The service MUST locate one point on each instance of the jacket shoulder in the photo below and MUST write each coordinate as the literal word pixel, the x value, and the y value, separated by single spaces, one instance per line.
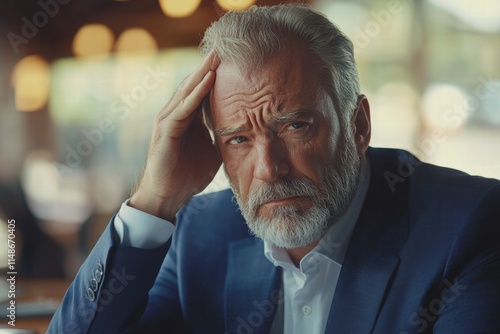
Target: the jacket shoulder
pixel 213 215
pixel 402 170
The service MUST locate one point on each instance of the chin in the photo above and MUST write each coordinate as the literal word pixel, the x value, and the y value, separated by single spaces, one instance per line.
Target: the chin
pixel 290 229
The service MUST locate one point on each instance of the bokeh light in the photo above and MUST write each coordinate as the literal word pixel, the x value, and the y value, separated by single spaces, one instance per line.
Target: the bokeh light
pixel 235 4
pixel 93 40
pixel 31 80
pixel 176 8
pixel 136 40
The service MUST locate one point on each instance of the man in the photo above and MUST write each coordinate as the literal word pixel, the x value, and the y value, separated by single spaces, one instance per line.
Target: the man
pixel 344 238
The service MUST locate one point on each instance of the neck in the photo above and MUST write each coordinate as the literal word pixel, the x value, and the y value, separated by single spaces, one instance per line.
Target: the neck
pixel 296 254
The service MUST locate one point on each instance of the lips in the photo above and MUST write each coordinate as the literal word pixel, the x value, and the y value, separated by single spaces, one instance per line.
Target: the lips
pixel 285 201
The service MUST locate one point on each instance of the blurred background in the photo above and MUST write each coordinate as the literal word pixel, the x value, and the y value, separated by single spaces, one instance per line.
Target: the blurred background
pixel 81 81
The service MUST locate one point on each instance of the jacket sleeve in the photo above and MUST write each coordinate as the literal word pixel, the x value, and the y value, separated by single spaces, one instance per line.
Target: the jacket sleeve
pixel 470 300
pixel 110 291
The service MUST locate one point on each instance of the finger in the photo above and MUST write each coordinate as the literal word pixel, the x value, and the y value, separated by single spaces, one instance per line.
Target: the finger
pixel 192 102
pixel 182 116
pixel 210 63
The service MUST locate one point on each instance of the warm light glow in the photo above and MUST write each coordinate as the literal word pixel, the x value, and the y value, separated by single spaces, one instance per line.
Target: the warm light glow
pixel 134 40
pixel 176 8
pixel 58 199
pixel 93 39
pixel 446 106
pixel 484 15
pixel 235 4
pixel 30 79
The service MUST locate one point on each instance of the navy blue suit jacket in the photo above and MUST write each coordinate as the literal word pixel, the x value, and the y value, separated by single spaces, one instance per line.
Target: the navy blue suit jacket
pixel 424 258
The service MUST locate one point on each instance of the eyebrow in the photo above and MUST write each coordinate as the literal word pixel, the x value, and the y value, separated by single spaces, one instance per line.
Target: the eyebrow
pixel 223 132
pixel 291 116
pixel 229 131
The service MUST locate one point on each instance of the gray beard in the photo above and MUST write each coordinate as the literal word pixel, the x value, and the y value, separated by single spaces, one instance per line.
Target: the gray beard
pixel 292 227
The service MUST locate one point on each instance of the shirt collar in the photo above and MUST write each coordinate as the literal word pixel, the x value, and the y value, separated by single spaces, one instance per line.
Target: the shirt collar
pixel 334 243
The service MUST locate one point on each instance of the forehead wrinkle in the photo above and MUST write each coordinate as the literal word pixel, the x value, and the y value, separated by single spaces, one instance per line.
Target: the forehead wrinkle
pixel 275 116
pixel 251 93
pixel 236 108
pixel 280 118
pixel 253 97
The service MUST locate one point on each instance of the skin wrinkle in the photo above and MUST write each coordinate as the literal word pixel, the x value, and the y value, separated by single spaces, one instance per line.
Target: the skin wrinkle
pixel 285 61
pixel 265 99
pixel 274 120
pixel 274 96
pixel 231 117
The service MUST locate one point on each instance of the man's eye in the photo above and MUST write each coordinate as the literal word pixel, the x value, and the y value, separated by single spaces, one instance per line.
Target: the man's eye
pixel 296 125
pixel 237 140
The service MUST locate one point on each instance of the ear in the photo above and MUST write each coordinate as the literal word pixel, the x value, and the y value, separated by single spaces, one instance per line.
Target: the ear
pixel 361 125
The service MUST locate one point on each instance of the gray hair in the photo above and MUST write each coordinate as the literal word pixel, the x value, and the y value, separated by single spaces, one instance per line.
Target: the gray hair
pixel 248 38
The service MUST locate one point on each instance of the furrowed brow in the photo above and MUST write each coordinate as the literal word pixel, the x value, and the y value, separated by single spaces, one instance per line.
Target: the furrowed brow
pixel 224 132
pixel 229 131
pixel 291 116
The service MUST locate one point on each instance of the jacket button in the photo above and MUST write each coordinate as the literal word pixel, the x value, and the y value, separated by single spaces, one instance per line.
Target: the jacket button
pixel 99 266
pixel 98 275
pixel 93 284
pixel 90 294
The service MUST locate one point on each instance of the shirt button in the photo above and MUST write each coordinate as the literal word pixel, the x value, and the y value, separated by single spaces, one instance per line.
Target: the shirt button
pixel 306 309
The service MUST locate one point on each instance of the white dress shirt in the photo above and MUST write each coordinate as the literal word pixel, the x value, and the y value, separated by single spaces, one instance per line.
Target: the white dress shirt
pixel 308 290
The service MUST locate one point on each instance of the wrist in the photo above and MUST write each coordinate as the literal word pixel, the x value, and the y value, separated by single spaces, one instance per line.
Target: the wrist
pixel 161 207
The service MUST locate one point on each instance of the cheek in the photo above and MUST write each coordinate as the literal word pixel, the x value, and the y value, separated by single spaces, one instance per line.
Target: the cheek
pixel 330 141
pixel 310 159
pixel 306 162
pixel 239 170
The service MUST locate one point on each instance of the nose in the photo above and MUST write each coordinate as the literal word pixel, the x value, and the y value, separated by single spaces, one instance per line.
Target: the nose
pixel 272 159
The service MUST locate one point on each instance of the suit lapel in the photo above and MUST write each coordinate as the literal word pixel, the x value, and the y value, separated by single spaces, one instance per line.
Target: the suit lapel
pixel 359 294
pixel 372 255
pixel 252 288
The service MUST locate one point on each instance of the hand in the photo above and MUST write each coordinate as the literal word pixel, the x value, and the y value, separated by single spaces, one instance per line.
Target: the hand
pixel 182 159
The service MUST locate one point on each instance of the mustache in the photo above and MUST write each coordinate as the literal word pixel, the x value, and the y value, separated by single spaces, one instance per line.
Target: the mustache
pixel 287 187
